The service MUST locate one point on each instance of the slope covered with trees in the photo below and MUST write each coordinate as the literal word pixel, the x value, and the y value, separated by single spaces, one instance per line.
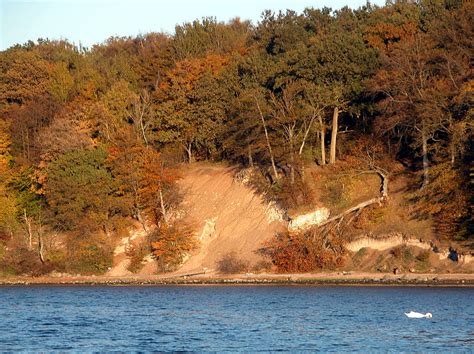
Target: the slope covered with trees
pixel 92 138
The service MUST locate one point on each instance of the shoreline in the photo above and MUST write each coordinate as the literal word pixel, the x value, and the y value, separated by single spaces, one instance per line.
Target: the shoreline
pixel 321 279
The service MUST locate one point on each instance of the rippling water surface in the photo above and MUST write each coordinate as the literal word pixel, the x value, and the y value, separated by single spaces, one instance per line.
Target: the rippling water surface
pixel 235 318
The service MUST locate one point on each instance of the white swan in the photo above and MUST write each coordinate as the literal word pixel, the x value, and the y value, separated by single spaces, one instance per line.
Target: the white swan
pixel 413 314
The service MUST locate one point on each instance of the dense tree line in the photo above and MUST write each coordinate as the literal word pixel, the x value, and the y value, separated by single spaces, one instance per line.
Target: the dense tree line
pixel 91 137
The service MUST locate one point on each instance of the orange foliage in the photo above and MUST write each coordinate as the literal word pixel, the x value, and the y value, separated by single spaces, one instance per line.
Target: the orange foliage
pixel 141 172
pixel 384 35
pixel 188 71
pixel 293 253
pixel 172 245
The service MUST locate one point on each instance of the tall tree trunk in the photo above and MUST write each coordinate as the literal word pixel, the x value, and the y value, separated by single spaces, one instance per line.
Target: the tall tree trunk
pixel 292 162
pixel 426 164
pixel 142 126
pixel 189 151
pixel 28 144
pixel 452 145
pixel 28 228
pixel 335 117
pixel 250 158
pixel 323 142
pixel 306 133
pixel 140 218
pixel 137 207
pixel 40 247
pixel 163 208
pixel 268 140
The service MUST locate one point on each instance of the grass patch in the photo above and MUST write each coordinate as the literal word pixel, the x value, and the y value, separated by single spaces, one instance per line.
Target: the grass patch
pixel 359 256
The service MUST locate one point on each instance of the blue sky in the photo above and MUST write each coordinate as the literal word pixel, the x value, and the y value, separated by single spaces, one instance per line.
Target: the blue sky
pixel 91 22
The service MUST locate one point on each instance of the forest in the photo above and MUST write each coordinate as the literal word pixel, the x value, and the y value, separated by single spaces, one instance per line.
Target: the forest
pixel 92 138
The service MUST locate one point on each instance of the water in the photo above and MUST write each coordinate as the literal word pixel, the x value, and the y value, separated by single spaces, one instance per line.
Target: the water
pixel 236 318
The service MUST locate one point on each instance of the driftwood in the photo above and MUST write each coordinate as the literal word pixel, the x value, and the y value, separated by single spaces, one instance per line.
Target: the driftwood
pixel 379 200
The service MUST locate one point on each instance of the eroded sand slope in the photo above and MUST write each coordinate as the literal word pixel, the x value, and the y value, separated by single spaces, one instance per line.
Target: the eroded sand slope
pixel 228 216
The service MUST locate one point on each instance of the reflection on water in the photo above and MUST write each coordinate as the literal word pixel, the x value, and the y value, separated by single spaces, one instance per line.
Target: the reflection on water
pixel 236 318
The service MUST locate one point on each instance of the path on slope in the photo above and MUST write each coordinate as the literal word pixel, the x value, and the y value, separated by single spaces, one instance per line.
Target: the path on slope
pixel 228 216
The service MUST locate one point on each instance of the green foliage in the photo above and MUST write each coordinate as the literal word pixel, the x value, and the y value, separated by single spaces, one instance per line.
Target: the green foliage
pixel 23 183
pixel 336 192
pixel 88 255
pixel 79 190
pixel 359 256
pixel 198 38
pixel 403 253
pixel 61 82
pixel 424 256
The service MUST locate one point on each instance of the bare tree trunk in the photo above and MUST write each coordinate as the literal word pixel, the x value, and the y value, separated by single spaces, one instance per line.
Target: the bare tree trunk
pixel 143 132
pixel 452 145
pixel 292 162
pixel 268 140
pixel 250 158
pixel 163 208
pixel 426 163
pixel 335 117
pixel 140 109
pixel 40 247
pixel 306 133
pixel 140 219
pixel 28 227
pixel 189 150
pixel 27 144
pixel 323 143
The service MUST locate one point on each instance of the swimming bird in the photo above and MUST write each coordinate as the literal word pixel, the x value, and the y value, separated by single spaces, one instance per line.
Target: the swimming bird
pixel 413 314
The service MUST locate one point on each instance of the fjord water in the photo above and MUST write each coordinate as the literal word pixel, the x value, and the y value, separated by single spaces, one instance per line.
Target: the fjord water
pixel 235 318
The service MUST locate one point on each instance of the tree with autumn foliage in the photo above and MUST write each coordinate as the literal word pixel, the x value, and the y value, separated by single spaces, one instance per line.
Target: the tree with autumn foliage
pixel 171 244
pixel 192 106
pixel 304 252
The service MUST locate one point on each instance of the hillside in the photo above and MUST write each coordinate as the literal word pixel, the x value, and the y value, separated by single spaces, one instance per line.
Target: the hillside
pixel 229 217
pixel 91 140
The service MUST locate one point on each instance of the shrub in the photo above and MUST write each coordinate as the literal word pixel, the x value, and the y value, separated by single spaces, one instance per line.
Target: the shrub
pixel 402 253
pixel 231 264
pixel 171 244
pixel 20 260
pixel 396 252
pixel 407 255
pixel 80 190
pixel 262 266
pixel 305 252
pixel 292 196
pixel 357 258
pixel 136 253
pixel 89 255
pixel 423 256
